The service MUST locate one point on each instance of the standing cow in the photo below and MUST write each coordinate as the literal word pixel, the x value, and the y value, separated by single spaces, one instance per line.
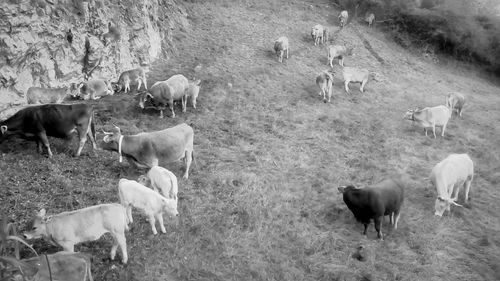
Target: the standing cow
pixel 137 75
pixel 166 92
pixel 343 16
pixel 448 176
pixel 455 102
pixel 319 34
pixel 162 181
pixel 281 46
pixel 382 199
pixel 324 80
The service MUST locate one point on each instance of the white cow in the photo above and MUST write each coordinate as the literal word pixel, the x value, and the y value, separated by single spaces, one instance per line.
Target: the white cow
pixel 324 80
pixel 137 75
pixel 192 92
pixel 281 46
pixel 430 117
pixel 162 181
pixel 355 75
pixel 319 34
pixel 166 92
pixel 134 194
pixel 338 52
pixel 370 18
pixel 343 16
pixel 69 228
pixel 455 102
pixel 448 176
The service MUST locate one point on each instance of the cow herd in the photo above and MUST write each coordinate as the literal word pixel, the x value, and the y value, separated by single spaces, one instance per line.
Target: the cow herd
pixel 156 192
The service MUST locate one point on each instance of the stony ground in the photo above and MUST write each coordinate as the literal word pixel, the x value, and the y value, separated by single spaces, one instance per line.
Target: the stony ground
pixel 261 202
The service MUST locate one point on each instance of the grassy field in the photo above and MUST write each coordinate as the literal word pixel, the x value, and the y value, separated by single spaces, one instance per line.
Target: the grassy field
pixel 261 202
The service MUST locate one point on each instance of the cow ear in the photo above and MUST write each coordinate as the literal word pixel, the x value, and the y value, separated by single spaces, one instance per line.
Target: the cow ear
pixel 3 129
pixel 42 213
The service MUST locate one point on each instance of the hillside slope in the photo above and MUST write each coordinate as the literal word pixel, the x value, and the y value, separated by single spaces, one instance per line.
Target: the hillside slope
pixel 261 202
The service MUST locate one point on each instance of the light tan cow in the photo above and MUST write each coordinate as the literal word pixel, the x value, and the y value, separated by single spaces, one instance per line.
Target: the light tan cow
pixel 37 95
pixel 137 75
pixel 67 266
pixel 95 89
pixel 324 80
pixel 338 52
pixel 281 46
pixel 430 117
pixel 455 102
pixel 192 92
pixel 162 181
pixel 448 176
pixel 166 92
pixel 343 16
pixel 356 75
pixel 319 34
pixel 152 203
pixel 370 18
pixel 88 224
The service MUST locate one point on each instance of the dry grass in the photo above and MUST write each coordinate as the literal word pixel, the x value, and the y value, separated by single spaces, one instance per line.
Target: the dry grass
pixel 261 203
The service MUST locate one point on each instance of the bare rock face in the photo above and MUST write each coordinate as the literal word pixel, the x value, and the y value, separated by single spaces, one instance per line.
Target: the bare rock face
pixel 53 43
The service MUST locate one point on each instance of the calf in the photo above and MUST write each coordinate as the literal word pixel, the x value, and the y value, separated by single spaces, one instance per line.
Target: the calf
pixel 319 34
pixel 55 120
pixel 448 176
pixel 280 47
pixel 356 75
pixel 338 52
pixel 165 92
pixel 44 95
pixel 369 19
pixel 375 202
pixel 95 89
pixel 455 102
pixel 146 150
pixel 162 181
pixel 324 80
pixel 192 92
pixel 134 194
pixel 62 265
pixel 137 75
pixel 343 16
pixel 69 228
pixel 430 117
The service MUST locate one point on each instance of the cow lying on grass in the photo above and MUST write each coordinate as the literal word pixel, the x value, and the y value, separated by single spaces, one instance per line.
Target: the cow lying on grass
pixel 374 202
pixel 37 95
pixel 62 265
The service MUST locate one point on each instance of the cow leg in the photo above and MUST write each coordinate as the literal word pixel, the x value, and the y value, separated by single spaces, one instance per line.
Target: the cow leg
pixel 152 222
pixel 171 106
pixel 159 217
pixel 145 82
pixel 330 60
pixel 67 246
pixel 287 51
pixel 122 241
pixel 456 189
pixel 184 103
pixel 363 86
pixel 83 139
pixel 43 138
pixel 391 218
pixel 188 157
pixel 139 83
pixel 366 228
pixel 434 130
pixel 129 214
pixel 378 227
pixel 396 218
pixel 467 189
pixel 443 128
pixel 39 145
pixel 161 113
pixel 346 85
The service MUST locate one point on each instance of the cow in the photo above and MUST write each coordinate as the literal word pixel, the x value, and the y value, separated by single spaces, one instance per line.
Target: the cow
pixel 338 52
pixel 370 18
pixel 343 16
pixel 192 92
pixel 95 89
pixel 430 117
pixel 374 202
pixel 146 150
pixel 455 102
pixel 152 203
pixel 67 266
pixel 319 34
pixel 37 95
pixel 356 75
pixel 55 120
pixel 324 80
pixel 137 75
pixel 165 92
pixel 162 181
pixel 448 176
pixel 88 224
pixel 281 46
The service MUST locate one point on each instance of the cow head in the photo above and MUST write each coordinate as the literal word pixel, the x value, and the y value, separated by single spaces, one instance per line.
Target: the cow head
pixel 443 204
pixel 112 136
pixel 170 206
pixel 117 87
pixel 409 115
pixel 144 180
pixel 143 97
pixel 3 129
pixel 345 188
pixel 38 226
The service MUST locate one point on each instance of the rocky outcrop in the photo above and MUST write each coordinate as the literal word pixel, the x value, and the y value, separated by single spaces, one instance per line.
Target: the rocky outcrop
pixel 52 43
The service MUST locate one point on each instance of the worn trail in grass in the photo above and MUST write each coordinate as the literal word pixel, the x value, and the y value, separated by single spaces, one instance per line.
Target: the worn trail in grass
pixel 261 203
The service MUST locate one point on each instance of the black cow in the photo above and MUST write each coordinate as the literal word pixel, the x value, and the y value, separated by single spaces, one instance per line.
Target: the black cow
pixel 55 120
pixel 375 202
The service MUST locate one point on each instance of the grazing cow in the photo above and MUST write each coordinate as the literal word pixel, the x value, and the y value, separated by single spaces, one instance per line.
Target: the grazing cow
pixel 382 199
pixel 370 18
pixel 356 75
pixel 430 117
pixel 165 92
pixel 55 120
pixel 95 89
pixel 67 266
pixel 152 203
pixel 343 16
pixel 324 80
pixel 448 176
pixel 162 181
pixel 338 52
pixel 192 92
pixel 281 46
pixel 455 102
pixel 145 150
pixel 44 95
pixel 137 75
pixel 319 34
pixel 88 224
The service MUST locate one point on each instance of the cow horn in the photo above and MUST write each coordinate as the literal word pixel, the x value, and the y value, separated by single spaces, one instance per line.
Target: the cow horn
pixel 455 203
pixel 106 133
pixel 118 128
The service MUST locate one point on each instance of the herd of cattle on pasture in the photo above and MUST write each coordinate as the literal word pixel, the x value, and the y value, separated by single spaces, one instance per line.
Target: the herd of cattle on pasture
pixel 156 191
